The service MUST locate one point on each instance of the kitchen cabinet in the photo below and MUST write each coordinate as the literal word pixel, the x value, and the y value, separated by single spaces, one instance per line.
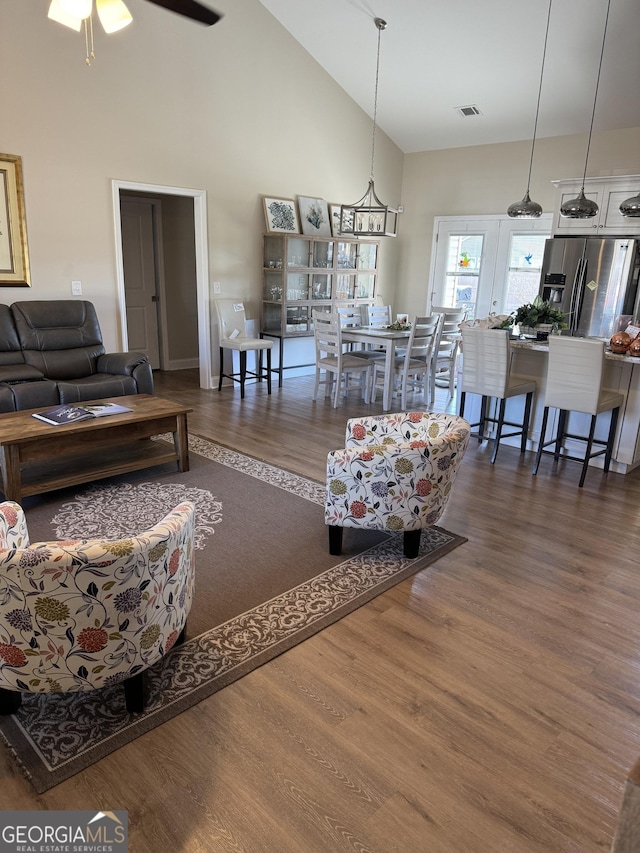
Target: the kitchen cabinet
pixel 608 193
pixel 301 273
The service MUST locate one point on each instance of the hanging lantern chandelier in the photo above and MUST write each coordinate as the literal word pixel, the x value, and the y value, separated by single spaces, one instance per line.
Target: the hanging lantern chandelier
pixel 370 217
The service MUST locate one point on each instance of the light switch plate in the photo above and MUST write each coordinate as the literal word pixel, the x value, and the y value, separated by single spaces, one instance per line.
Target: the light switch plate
pixel 76 288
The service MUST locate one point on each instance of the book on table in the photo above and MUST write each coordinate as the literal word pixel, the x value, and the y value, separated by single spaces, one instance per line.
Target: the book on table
pixel 68 413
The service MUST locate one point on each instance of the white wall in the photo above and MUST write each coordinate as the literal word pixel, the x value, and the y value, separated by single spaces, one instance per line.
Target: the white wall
pixel 238 109
pixel 486 179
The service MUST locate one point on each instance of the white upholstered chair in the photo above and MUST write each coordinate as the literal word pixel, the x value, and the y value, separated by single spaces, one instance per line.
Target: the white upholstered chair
pixel 232 330
pixel 486 371
pixel 333 361
pixel 575 375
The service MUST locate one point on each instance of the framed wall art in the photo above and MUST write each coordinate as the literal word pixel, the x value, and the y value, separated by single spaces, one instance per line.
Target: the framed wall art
pixel 14 253
pixel 314 216
pixel 334 216
pixel 281 215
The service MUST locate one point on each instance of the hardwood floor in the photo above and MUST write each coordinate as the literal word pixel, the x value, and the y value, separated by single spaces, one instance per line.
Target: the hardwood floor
pixel 490 703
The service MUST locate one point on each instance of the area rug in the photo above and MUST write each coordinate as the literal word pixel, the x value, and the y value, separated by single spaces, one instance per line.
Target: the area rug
pixel 264 582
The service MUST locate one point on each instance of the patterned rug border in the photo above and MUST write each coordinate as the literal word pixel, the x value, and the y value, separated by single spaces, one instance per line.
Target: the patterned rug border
pixel 225 653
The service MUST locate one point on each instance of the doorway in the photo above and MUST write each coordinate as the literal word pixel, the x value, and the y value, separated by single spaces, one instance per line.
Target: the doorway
pixel 487 264
pixel 147 298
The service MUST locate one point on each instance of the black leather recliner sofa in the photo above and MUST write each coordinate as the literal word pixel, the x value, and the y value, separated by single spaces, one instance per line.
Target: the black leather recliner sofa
pixel 52 352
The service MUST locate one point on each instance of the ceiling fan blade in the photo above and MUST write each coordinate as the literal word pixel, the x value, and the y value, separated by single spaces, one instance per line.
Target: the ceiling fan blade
pixel 190 9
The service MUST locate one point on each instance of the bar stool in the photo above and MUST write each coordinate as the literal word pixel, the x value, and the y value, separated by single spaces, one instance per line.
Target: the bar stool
pixel 232 330
pixel 574 384
pixel 486 370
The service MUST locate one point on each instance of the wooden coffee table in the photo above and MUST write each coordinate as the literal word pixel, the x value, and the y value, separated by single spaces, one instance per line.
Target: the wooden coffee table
pixel 38 457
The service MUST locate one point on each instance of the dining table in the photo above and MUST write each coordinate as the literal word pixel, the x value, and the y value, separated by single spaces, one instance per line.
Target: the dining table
pixel 387 339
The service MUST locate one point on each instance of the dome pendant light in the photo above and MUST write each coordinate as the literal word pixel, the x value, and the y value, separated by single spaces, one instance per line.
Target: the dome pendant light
pixel 581 207
pixel 527 209
pixel 370 217
pixel 631 206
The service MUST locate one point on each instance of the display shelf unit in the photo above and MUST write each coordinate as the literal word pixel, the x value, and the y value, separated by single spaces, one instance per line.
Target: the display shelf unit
pixel 302 273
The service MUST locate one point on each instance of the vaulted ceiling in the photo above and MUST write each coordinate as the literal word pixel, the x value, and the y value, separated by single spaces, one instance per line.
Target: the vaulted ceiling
pixel 438 55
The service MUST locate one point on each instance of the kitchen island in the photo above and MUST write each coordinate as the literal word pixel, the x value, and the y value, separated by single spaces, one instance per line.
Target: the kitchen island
pixel 622 373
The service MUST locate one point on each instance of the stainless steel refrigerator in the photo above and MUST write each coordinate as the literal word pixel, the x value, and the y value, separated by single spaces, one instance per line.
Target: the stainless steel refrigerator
pixel 594 282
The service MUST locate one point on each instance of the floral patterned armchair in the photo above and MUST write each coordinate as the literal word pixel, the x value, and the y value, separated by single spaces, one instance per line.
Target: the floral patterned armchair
pixel 82 614
pixel 395 473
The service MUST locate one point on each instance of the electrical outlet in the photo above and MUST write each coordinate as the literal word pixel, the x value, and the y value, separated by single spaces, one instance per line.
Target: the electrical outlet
pixel 76 288
pixel 216 287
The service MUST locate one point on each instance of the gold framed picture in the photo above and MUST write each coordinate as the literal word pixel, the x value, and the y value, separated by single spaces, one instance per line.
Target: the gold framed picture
pixel 14 252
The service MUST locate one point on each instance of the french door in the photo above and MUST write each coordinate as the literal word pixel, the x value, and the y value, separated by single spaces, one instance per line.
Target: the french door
pixel 486 264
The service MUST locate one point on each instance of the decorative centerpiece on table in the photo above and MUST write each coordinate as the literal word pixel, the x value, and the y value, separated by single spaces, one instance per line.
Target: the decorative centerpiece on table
pixel 538 318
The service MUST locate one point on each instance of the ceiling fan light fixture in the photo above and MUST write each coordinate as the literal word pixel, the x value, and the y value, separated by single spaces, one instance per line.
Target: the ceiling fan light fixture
pixel 113 15
pixel 58 14
pixel 631 206
pixel 370 217
pixel 76 8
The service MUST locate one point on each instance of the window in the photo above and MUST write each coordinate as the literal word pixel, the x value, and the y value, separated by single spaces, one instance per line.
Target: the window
pixel 487 264
pixel 523 270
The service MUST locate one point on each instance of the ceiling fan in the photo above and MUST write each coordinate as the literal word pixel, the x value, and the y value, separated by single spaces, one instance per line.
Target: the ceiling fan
pixel 114 15
pixel 190 9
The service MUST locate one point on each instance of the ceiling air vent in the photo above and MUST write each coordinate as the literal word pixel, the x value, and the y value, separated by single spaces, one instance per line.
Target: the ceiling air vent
pixel 467 112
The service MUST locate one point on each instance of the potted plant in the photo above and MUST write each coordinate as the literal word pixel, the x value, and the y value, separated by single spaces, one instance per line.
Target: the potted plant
pixel 538 316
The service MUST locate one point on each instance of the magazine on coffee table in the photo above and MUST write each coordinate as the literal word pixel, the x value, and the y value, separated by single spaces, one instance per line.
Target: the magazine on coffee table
pixel 69 414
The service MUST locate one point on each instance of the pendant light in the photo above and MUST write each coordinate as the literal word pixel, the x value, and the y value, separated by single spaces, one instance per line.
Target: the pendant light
pixel 370 217
pixel 527 209
pixel 581 207
pixel 113 15
pixel 631 206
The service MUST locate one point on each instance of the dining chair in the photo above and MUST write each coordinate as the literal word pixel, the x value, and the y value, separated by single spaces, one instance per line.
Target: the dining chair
pixel 412 370
pixel 575 383
pixel 233 336
pixel 331 358
pixel 445 357
pixel 351 318
pixel 486 370
pixel 379 316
